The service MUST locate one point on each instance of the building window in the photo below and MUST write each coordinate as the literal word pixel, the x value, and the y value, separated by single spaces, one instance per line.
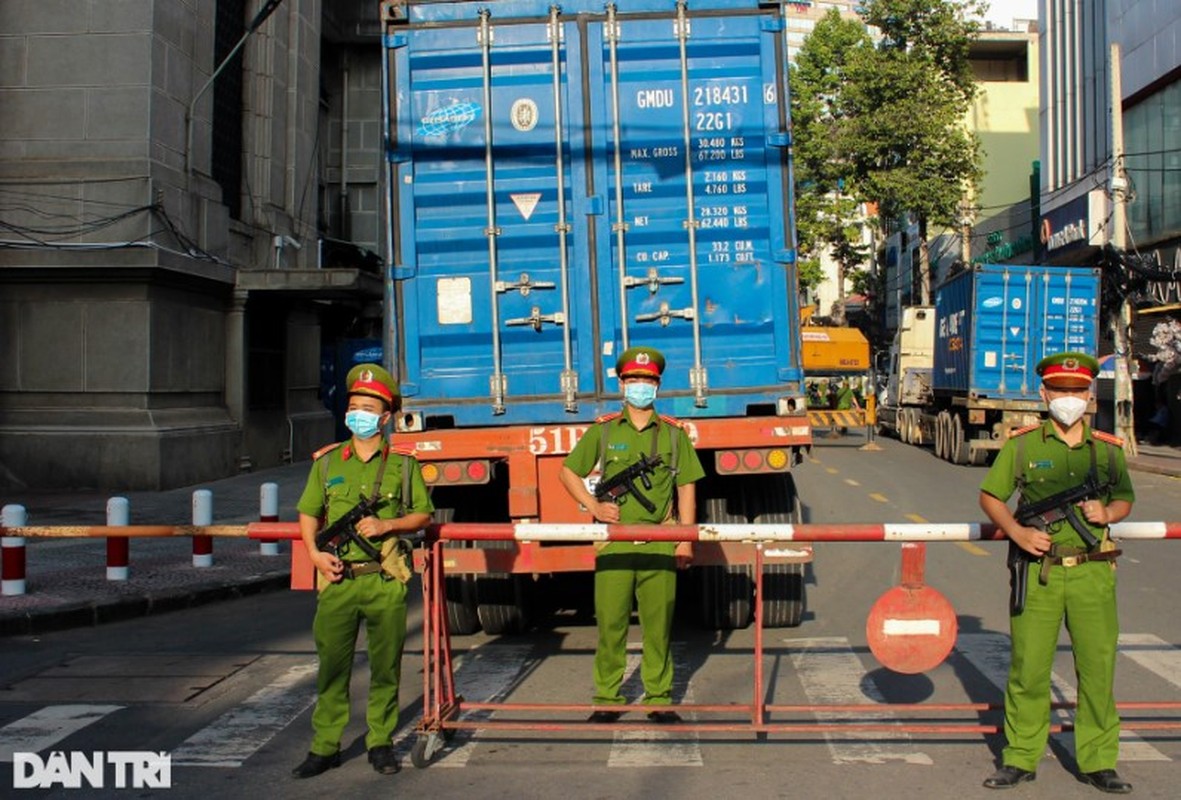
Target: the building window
pixel 226 149
pixel 1152 143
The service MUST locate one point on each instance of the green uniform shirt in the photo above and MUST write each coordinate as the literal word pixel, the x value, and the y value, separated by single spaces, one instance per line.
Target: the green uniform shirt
pixel 625 445
pixel 1051 466
pixel 330 494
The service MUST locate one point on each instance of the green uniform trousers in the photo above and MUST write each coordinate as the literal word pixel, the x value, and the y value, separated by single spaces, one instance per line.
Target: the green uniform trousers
pixel 648 572
pixel 342 606
pixel 1085 596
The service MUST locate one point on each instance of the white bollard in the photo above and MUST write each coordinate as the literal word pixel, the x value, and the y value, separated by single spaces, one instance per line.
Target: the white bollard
pixel 118 547
pixel 12 551
pixel 268 511
pixel 202 515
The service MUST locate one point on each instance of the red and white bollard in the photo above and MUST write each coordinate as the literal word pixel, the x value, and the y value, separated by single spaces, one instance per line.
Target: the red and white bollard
pixel 12 552
pixel 118 547
pixel 268 511
pixel 202 515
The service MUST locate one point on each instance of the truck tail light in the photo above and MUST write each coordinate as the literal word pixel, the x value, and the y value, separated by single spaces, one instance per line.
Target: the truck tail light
pixel 730 462
pixel 446 473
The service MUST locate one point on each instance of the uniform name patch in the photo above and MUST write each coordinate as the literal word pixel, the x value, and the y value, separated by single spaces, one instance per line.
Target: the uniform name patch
pixel 335 481
pixel 1047 464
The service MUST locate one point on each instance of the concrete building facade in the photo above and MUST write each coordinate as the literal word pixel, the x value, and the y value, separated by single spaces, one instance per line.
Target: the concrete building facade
pixel 176 243
pixel 1077 156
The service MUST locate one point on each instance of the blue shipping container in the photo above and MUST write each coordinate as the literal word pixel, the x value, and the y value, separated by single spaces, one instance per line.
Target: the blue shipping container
pixel 567 182
pixel 995 322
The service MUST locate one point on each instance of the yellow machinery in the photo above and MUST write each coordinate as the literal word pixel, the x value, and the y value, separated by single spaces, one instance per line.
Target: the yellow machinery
pixel 830 356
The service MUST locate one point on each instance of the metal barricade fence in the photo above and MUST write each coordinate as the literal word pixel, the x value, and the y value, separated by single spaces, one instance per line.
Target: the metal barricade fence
pixel 443 706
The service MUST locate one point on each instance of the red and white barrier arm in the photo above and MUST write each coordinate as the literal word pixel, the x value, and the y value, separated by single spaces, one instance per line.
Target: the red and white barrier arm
pixel 537 532
pixel 910 532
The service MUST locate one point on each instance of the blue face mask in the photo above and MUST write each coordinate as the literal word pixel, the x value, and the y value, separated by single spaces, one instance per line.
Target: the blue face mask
pixel 640 394
pixel 363 424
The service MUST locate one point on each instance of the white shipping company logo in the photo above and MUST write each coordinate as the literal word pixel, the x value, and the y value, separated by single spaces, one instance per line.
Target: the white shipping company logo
pixel 132 769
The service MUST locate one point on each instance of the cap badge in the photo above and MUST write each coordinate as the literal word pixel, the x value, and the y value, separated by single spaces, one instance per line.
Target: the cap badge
pixel 642 358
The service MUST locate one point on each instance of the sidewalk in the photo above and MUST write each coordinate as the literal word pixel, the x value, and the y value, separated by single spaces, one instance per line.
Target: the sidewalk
pixel 66 578
pixel 1161 459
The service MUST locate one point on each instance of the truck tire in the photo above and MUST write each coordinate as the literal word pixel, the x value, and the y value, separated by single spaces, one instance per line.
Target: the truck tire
pixel 783 584
pixel 460 591
pixel 725 593
pixel 500 599
pixel 940 435
pixel 783 595
pixel 958 445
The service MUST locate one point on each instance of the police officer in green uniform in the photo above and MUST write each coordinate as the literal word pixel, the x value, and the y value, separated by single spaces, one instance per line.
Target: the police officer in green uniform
pixel 354 587
pixel 643 570
pixel 1064 578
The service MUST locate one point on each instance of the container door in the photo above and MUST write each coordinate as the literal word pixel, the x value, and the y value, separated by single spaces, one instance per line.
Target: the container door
pixel 571 185
pixel 485 214
pixel 1024 314
pixel 696 243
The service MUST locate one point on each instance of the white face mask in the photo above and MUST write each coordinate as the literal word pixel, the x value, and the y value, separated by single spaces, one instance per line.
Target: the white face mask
pixel 1067 410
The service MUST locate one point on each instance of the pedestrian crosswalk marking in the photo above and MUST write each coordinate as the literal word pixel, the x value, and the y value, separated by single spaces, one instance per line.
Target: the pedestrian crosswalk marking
pixel 486 674
pixel 238 734
pixel 1154 654
pixel 828 668
pixel 989 653
pixel 831 672
pixel 47 726
pixel 656 748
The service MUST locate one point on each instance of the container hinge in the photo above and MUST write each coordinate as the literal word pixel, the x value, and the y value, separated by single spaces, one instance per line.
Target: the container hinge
pixel 569 381
pixel 779 139
pixel 699 380
pixel 499 385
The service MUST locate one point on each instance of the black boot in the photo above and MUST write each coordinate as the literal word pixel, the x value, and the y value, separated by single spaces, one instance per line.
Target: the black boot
pixel 1008 777
pixel 313 765
pixel 1107 780
pixel 383 759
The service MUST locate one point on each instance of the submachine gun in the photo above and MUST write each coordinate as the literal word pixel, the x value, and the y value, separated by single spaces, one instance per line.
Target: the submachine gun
pixel 335 537
pixel 1040 515
pixel 623 482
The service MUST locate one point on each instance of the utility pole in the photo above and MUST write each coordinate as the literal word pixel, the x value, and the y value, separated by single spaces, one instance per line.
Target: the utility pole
pixel 966 230
pixel 1121 320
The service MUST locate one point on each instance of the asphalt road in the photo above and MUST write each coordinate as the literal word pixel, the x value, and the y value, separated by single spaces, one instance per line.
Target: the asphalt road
pixel 226 689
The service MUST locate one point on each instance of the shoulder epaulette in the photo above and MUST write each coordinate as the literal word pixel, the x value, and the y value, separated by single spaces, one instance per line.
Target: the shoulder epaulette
pixel 1104 436
pixel 325 450
pixel 676 423
pixel 609 417
pixel 404 450
pixel 1025 430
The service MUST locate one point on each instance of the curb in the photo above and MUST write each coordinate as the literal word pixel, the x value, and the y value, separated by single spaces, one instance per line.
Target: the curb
pixel 1172 472
pixel 85 614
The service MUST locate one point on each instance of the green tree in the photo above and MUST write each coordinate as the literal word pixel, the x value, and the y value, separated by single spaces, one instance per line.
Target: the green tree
pixel 903 104
pixel 824 207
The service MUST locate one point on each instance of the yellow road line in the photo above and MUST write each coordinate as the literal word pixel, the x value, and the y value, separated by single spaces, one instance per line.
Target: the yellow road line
pixel 851 482
pixel 881 498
